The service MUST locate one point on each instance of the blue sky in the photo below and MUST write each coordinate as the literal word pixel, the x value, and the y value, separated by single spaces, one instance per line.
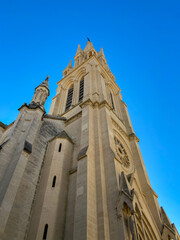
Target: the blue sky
pixel 141 44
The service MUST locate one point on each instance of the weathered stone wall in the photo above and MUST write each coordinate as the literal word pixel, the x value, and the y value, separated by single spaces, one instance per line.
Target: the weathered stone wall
pixel 21 170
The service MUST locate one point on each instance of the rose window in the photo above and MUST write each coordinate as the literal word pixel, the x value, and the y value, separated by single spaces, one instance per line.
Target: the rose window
pixel 121 153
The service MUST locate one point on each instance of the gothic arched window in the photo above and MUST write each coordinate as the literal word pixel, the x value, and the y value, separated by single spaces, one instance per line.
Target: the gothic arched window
pixel 81 90
pixel 69 98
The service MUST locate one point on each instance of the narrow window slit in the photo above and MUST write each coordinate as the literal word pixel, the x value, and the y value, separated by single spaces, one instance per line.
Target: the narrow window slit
pixel 60 146
pixel 45 232
pixel 54 182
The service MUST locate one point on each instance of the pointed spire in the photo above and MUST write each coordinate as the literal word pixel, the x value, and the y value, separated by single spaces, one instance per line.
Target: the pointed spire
pixel 45 84
pixel 67 69
pixel 126 195
pixel 40 94
pixel 70 64
pixel 130 178
pixel 89 45
pixel 102 57
pixel 79 50
pixel 124 184
pixel 165 218
pixel 101 53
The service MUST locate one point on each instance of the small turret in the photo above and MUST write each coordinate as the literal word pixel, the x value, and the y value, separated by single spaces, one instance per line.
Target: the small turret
pixel 79 51
pixel 101 57
pixel 41 93
pixel 79 57
pixel 67 69
pixel 89 49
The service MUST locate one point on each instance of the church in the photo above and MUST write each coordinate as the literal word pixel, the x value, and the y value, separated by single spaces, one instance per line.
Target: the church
pixel 77 173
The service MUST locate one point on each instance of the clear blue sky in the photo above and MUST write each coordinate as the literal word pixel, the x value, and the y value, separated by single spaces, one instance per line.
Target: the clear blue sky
pixel 141 44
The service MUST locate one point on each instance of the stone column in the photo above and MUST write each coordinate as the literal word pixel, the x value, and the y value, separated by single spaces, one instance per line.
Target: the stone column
pixel 108 94
pixel 62 100
pixel 85 219
pixel 135 224
pixel 142 225
pixel 75 92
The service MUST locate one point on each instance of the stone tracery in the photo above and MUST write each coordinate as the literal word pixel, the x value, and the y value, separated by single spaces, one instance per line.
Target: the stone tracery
pixel 121 153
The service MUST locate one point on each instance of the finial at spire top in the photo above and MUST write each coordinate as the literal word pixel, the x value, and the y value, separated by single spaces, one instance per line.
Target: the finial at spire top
pixel 45 83
pixel 88 39
pixel 70 64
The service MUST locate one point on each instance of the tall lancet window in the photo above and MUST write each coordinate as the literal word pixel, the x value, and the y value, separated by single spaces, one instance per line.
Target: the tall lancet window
pixel 112 102
pixel 69 98
pixel 81 90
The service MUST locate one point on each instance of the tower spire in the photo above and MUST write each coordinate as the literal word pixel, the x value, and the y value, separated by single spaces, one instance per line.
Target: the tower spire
pixel 79 50
pixel 41 93
pixel 45 83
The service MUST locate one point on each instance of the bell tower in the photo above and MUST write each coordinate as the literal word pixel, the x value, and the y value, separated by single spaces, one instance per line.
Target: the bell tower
pixel 82 173
pixel 108 194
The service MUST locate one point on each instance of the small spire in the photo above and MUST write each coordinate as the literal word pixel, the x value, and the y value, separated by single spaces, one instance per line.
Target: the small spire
pixel 79 50
pixel 101 53
pixel 70 64
pixel 88 46
pixel 45 83
pixel 165 218
pixel 101 56
pixel 40 96
pixel 124 184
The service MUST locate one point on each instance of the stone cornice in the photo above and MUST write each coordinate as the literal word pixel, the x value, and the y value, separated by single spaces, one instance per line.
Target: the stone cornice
pixel 119 128
pixel 8 126
pixel 54 117
pixel 73 118
pixel 3 125
pixel 62 135
pixel 169 230
pixel 132 136
pixel 32 107
pixel 73 170
pixel 83 153
pixel 124 103
pixel 86 103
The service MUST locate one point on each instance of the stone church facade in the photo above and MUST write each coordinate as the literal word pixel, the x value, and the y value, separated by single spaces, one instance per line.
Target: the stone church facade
pixel 77 173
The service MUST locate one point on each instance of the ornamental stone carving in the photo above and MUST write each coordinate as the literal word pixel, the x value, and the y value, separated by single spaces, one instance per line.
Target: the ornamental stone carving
pixel 121 153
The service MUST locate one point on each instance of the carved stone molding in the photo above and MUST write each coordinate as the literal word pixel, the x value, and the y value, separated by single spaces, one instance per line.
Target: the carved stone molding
pixel 121 153
pixel 120 129
pixel 73 118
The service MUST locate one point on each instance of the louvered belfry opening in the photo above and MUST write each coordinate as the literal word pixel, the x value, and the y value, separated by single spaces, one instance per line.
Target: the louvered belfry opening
pixel 81 90
pixel 69 98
